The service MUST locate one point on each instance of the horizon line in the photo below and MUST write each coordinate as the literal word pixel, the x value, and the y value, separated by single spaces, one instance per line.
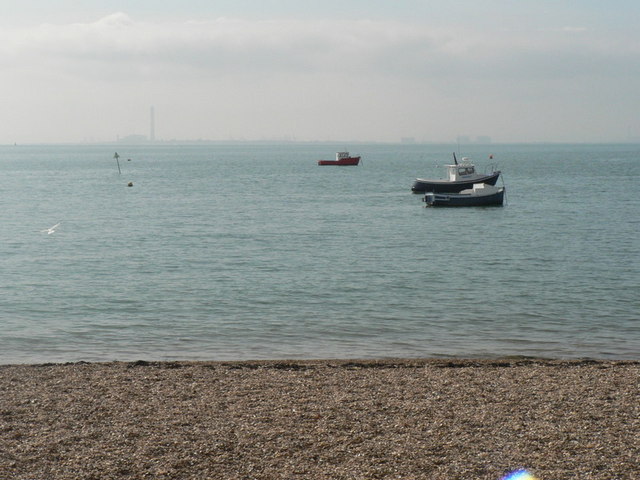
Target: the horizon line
pixel 322 142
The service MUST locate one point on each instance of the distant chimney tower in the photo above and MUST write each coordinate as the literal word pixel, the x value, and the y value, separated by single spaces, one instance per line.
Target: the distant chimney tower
pixel 152 131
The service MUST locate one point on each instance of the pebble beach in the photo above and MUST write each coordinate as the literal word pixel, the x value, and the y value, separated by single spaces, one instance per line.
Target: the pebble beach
pixel 387 419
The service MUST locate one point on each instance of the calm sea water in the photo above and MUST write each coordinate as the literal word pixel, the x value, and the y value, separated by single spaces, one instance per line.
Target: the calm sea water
pixel 231 252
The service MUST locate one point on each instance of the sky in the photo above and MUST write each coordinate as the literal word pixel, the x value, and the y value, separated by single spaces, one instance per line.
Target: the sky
pixel 77 71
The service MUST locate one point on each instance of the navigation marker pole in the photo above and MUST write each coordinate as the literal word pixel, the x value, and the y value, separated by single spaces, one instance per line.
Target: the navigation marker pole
pixel 116 156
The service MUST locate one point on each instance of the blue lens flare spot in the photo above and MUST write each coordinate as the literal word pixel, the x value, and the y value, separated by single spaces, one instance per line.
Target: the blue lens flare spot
pixel 519 475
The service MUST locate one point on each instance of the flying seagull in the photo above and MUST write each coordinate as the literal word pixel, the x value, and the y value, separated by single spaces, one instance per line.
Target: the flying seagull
pixel 51 230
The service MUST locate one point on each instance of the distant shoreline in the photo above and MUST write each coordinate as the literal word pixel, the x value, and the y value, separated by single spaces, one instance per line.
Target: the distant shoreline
pixel 342 143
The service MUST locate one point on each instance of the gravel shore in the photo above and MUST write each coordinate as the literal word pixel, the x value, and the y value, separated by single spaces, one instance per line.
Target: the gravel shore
pixel 390 419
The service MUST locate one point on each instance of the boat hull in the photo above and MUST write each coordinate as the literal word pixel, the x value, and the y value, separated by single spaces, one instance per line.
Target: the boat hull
pixel 433 199
pixel 350 161
pixel 445 186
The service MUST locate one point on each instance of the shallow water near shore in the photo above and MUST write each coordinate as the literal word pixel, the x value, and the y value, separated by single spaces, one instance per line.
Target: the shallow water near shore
pixel 233 252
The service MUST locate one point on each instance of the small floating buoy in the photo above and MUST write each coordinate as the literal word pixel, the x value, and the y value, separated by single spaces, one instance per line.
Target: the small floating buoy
pixel 130 184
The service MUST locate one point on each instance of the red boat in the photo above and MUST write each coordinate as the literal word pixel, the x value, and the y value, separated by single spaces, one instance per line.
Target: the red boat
pixel 342 158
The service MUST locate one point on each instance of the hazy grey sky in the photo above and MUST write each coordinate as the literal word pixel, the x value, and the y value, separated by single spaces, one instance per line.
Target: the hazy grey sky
pixel 516 71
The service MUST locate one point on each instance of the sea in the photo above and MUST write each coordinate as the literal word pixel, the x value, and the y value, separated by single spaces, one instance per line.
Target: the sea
pixel 251 251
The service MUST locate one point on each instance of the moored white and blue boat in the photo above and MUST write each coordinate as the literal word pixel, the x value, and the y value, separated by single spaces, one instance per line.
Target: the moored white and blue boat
pixel 480 195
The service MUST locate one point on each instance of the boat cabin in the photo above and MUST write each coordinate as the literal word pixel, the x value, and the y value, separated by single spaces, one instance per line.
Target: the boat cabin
pixel 461 171
pixel 342 156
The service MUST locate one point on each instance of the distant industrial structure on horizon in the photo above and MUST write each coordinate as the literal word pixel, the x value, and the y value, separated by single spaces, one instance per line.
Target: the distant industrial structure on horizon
pixel 152 126
pixel 407 140
pixel 460 140
pixel 137 138
pixel 481 139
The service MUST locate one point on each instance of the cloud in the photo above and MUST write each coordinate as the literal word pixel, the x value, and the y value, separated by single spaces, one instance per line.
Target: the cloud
pixel 227 46
pixel 256 78
pixel 574 29
pixel 219 45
